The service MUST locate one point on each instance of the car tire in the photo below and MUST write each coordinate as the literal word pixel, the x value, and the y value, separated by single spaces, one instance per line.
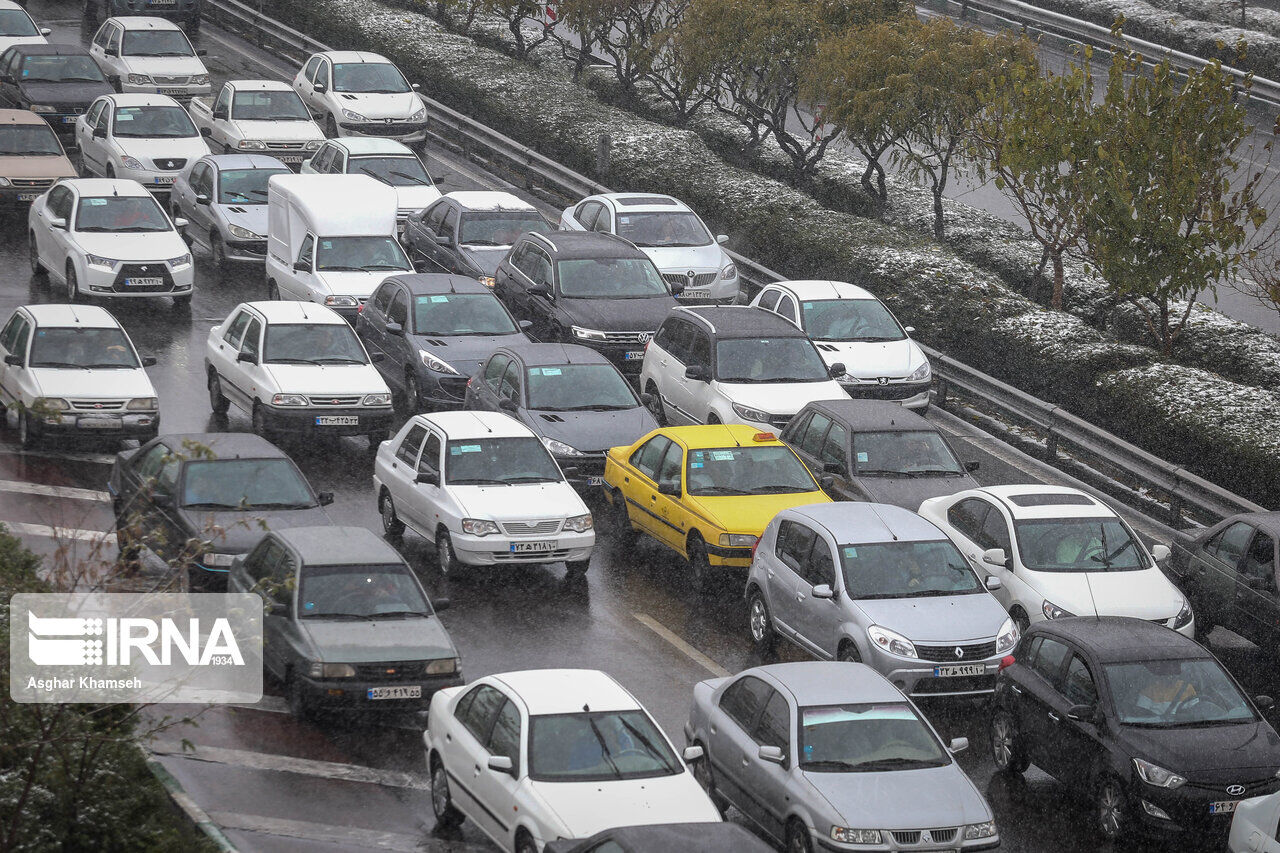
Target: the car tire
pixel 525 843
pixel 798 838
pixel 655 405
pixel 37 268
pixel 1021 619
pixel 109 172
pixel 760 624
pixel 28 439
pixel 700 570
pixel 624 535
pixel 1111 808
pixel 218 250
pixel 296 699
pixel 73 284
pixel 218 401
pixel 273 292
pixel 392 526
pixel 577 568
pixel 331 127
pixel 705 776
pixel 447 814
pixel 848 653
pixel 259 422
pixel 412 394
pixel 446 559
pixel 1007 750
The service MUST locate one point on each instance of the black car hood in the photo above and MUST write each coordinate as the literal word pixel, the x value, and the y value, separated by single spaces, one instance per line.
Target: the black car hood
pixel 618 315
pixel 1211 754
pixel 80 94
pixel 484 259
pixel 240 531
pixel 464 352
pixel 909 492
pixel 592 432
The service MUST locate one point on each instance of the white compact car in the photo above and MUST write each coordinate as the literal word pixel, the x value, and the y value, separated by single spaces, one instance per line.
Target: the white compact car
pixel 670 233
pixel 149 138
pixel 296 367
pixel 107 237
pixel 151 55
pixel 851 327
pixel 484 489
pixel 16 27
pixel 534 756
pixel 386 160
pixel 72 370
pixel 1254 826
pixel 258 117
pixel 357 93
pixel 1059 552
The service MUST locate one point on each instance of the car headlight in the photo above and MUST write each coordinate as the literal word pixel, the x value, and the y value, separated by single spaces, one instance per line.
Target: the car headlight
pixel 251 145
pixel 479 526
pixel 1053 611
pixel 438 365
pixel 132 163
pixel 559 448
pixel 180 261
pixel 845 835
pixel 587 334
pixel 749 414
pixel 43 108
pixel 729 271
pixel 353 116
pixel 1155 775
pixel 921 373
pixel 738 540
pixel 143 404
pixel 212 559
pixel 891 642
pixel 377 400
pixel 420 115
pixel 242 233
pixel 5 182
pixel 99 261
pixel 313 145
pixel 199 80
pixel 1183 619
pixel 341 301
pixel 288 400
pixel 486 280
pixel 332 670
pixel 442 666
pixel 579 523
pixel 140 80
pixel 980 830
pixel 1008 636
pixel 50 404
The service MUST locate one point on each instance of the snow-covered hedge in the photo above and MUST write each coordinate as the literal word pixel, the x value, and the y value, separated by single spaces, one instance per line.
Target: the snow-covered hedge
pixel 1258 19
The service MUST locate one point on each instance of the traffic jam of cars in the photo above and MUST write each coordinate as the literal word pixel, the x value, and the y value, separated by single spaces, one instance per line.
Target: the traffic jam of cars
pixel 533 392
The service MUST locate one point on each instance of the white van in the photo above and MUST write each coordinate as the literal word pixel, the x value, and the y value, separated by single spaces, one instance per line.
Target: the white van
pixel 331 239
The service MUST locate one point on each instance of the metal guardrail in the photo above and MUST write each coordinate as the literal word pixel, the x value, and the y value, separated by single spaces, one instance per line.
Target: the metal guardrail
pixel 1159 488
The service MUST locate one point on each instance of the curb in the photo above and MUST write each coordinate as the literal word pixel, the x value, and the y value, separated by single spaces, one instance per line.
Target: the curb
pixel 199 817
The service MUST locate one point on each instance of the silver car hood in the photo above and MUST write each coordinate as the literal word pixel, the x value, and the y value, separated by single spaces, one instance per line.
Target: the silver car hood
pixel 903 799
pixel 944 619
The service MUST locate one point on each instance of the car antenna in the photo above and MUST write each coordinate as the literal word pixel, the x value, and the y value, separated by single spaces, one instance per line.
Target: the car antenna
pixel 885 523
pixel 1093 602
pixel 485 425
pixel 451 290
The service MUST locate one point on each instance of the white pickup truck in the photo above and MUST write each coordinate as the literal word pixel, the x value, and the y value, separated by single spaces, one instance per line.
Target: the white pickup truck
pixel 258 117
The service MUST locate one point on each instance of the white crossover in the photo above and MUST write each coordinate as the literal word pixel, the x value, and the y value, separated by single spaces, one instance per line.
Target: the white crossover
pixel 258 117
pixel 151 55
pixel 357 93
pixel 483 488
pixel 386 160
pixel 149 138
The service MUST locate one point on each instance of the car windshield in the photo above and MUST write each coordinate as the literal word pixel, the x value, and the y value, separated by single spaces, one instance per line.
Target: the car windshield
pixel 750 470
pixel 360 592
pixel 245 186
pixel 269 106
pixel 245 484
pixel 53 68
pixel 598 746
pixel 498 227
pixel 154 122
pixel 906 570
pixel 156 43
pixel 369 78
pixel 908 453
pixel 82 348
pixel 15 22
pixel 396 171
pixel 663 229
pixel 610 278
pixel 769 360
pixel 461 314
pixel 850 320
pixel 866 738
pixel 499 461
pixel 578 388
pixel 1078 545
pixel 28 140
pixel 312 343
pixel 1173 693
pixel 121 214
pixel 360 254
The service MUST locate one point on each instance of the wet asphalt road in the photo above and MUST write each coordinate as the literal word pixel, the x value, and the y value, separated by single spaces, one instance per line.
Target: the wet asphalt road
pixel 274 784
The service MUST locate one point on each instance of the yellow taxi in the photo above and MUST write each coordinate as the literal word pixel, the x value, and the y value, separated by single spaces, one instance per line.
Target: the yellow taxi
pixel 706 492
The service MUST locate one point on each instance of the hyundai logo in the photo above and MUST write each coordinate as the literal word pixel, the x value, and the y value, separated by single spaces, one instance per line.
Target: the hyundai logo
pixel 959 652
pixel 1235 790
pixel 144 269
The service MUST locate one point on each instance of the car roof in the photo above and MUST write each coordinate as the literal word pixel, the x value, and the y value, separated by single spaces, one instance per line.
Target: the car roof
pixel 105 187
pixel 534 355
pixel 20 116
pixel 645 203
pixel 9 4
pixel 144 22
pixel 345 56
pixel 288 311
pixel 227 445
pixel 51 48
pixel 1121 639
pixel 830 682
pixel 739 321
pixel 824 289
pixel 565 691
pixel 1268 521
pixel 260 85
pixel 358 145
pixel 855 522
pixel 1029 501
pixel 142 99
pixel 425 283
pixel 716 435
pixel 872 415
pixel 334 545
pixel 317 192
pixel 244 161
pixel 88 316
pixel 576 245
pixel 469 423
pixel 485 200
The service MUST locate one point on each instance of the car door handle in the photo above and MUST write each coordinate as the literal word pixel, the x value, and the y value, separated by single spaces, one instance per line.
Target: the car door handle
pixel 653 498
pixel 746 762
pixel 1054 717
pixel 1016 689
pixel 448 738
pixel 711 729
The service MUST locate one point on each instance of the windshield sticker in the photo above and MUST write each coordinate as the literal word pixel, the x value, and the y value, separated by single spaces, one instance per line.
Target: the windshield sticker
pixel 695 464
pixel 464 448
pixel 26 72
pixel 722 456
pixel 625 220
pixel 439 299
pixel 697 454
pixel 862 456
pixel 326 244
pixel 806 305
pixel 95 202
pixel 851 552
pixel 310 605
pixel 550 371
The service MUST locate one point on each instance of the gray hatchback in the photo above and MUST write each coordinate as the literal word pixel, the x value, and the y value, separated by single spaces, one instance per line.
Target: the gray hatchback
pixel 878 584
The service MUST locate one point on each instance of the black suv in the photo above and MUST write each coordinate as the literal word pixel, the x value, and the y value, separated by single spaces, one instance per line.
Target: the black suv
pixel 60 79
pixel 586 288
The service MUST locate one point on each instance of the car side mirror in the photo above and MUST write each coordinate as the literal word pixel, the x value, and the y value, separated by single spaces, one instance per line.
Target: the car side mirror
pixel 58 223
pixel 181 223
pixel 832 468
pixel 414 86
pixel 570 473
pixel 112 51
pixel 525 325
pixel 1082 713
pixel 1264 702
pixel 301 266
pixel 772 754
pixel 13 360
pixel 508 405
pixel 324 498
pixel 439 179
pixel 428 478
pixel 45 31
pixel 697 372
pixel 203 199
pixel 99 133
pixel 148 361
pixel 722 239
pixel 247 357
pixel 823 590
pixel 993 583
pixel 376 357
pixel 320 88
pixel 958 745
pixel 442 603
pixel 836 370
pixel 394 328
pixel 1160 553
pixel 995 557
pixel 669 487
pixel 162 499
pixel 692 754
pixel 207 132
pixel 501 764
pixel 971 466
pixel 647 399
pixel 909 329
pixel 826 481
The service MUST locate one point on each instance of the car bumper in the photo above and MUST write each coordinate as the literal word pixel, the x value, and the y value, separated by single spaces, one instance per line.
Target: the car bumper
pixel 441 392
pixel 352 694
pixel 496 549
pixel 889 843
pixel 182 94
pixel 590 476
pixel 403 131
pixel 917 678
pixel 912 395
pixel 247 251
pixel 723 292
pixel 157 181
pixel 102 282
pixel 368 420
pixel 728 557
pixel 1186 809
pixel 142 425
pixel 21 197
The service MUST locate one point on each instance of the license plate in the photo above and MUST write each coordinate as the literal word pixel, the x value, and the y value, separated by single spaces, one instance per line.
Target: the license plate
pixel 161 2
pixel 634 356
pixel 959 669
pixel 178 92
pixel 100 423
pixel 164 180
pixel 28 196
pixel 412 691
pixel 289 158
pixel 692 294
pixel 145 281
pixel 595 480
pixel 532 547
pixel 1223 806
pixel 68 119
pixel 337 420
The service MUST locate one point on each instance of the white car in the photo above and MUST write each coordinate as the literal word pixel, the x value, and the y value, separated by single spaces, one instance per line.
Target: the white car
pixel 295 367
pixel 733 364
pixel 104 237
pixel 1059 552
pixel 258 117
pixel 1254 826
pixel 16 27
pixel 535 756
pixel 152 55
pixel 484 489
pixel 149 138
pixel 851 326
pixel 72 370
pixel 357 93
pixel 386 160
pixel 670 233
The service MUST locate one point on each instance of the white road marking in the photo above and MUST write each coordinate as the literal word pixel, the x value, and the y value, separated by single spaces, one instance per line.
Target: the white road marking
pixel 689 651
pixel 300 766
pixel 98 458
pixel 343 837
pixel 20 487
pixel 25 529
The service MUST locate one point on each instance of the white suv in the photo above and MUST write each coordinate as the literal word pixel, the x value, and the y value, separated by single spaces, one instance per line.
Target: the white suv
pixel 149 138
pixel 72 370
pixel 357 93
pixel 152 55
pixel 736 364
pixel 296 367
pixel 670 233
pixel 484 489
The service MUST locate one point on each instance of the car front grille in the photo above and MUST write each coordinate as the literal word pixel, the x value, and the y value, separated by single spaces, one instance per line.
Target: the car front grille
pixel 334 401
pixel 947 654
pixel 96 405
pixel 531 557
pixel 913 837
pixel 170 164
pixel 526 528
pixel 1255 788
pixel 702 279
pixel 171 81
pixel 626 337
pixel 155 269
pixel 31 183
pixel 286 146
pixel 394 671
pixel 888 391
pixel 397 128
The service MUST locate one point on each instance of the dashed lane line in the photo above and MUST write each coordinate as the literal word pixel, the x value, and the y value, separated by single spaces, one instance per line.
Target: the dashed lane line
pixel 344 837
pixel 687 650
pixel 61 533
pixel 23 488
pixel 288 764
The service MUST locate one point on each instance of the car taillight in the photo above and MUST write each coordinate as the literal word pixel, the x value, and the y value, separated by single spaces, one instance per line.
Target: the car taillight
pixel 1006 661
pixel 469 378
pixel 360 308
pixel 753 550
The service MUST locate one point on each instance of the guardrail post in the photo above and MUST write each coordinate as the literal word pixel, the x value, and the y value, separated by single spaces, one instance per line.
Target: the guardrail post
pixel 942 394
pixel 1051 445
pixel 1175 509
pixel 602 156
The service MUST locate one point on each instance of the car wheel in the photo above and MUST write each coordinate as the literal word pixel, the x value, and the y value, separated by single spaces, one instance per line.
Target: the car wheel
pixel 624 535
pixel 848 653
pixel 27 437
pixel 259 419
pixel 446 559
pixel 577 568
pixel 217 400
pixel 705 776
pixel 218 248
pixel 699 564
pixel 761 623
pixel 524 843
pixel 331 127
pixel 412 394
pixel 110 171
pixel 392 526
pixel 73 284
pixel 1007 750
pixel 1111 808
pixel 1020 619
pixel 655 405
pixel 273 292
pixel 798 837
pixel 447 815
pixel 296 698
pixel 712 418
pixel 37 268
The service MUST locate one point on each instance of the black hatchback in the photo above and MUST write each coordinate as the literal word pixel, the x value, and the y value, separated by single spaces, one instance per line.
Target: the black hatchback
pixel 1143 720
pixel 58 81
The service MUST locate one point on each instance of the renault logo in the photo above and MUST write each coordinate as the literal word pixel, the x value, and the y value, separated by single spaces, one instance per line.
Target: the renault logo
pixel 1235 790
pixel 959 652
pixel 926 837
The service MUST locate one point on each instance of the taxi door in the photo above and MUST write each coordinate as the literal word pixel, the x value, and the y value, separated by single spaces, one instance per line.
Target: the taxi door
pixel 666 500
pixel 638 484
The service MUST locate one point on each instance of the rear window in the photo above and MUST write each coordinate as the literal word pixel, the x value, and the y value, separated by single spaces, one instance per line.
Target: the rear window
pixel 1052 500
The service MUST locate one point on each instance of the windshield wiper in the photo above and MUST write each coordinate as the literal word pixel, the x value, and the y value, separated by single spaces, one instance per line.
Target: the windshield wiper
pixel 289 360
pixel 604 747
pixel 339 268
pixel 282 505
pixel 32 153
pixel 882 472
pixel 829 763
pixel 339 359
pixel 282 118
pixel 366 616
pixel 594 407
pixel 214 505
pixel 477 481
pixel 720 490
pixel 408 177
pixel 368 267
pixel 402 614
pixel 892 763
pixel 778 489
pixel 109 366
pixel 644 739
pixel 532 479
pixel 71 80
pixel 55 364
pixel 481 243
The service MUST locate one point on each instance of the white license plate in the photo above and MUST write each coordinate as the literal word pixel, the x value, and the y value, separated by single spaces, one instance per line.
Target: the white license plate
pixel 178 92
pixel 1223 806
pixel 692 294
pixel 532 547
pixel 68 119
pixel 144 281
pixel 337 420
pixel 413 691
pixel 289 158
pixel 161 2
pixel 100 423
pixel 28 196
pixel 634 355
pixel 595 480
pixel 959 669
pixel 164 180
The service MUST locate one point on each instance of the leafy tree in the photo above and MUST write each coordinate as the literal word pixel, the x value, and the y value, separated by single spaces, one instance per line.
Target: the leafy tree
pixel 518 13
pixel 620 29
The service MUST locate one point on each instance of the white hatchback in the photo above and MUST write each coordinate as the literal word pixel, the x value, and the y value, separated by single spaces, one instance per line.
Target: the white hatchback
pixel 149 138
pixel 150 55
pixel 357 93
pixel 484 489
pixel 386 160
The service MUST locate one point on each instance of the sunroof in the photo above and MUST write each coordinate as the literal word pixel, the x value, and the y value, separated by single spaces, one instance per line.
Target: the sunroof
pixel 1052 500
pixel 636 201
